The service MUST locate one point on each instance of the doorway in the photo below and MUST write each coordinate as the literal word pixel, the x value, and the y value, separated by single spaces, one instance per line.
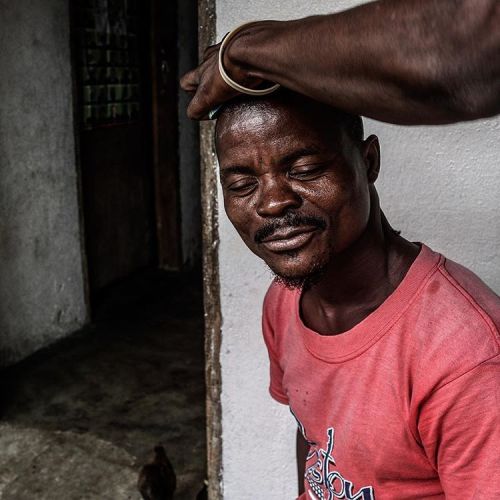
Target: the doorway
pixel 141 214
pixel 126 76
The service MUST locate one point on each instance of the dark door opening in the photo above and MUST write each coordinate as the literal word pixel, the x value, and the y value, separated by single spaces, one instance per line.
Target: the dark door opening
pixel 126 73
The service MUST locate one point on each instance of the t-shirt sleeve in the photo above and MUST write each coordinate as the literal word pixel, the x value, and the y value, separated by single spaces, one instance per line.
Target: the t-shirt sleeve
pixel 268 328
pixel 460 430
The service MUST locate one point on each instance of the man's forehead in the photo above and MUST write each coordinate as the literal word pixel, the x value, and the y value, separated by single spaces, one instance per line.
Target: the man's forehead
pixel 268 124
pixel 261 123
pixel 240 122
pixel 254 115
pixel 268 143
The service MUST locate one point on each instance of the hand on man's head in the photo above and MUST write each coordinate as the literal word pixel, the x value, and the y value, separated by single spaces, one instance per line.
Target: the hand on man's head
pixel 206 84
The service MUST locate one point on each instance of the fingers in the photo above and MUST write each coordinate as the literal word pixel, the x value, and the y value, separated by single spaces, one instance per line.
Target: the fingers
pixel 202 103
pixel 189 82
pixel 206 85
pixel 210 50
pixel 211 92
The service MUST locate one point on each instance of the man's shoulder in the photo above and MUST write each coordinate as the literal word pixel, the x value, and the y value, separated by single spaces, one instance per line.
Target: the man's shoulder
pixel 454 323
pixel 465 298
pixel 278 294
pixel 279 302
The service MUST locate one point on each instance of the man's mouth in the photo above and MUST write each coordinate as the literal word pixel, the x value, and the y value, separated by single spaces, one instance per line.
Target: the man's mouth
pixel 290 238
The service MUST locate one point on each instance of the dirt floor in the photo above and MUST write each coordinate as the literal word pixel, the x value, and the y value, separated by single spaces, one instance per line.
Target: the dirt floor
pixel 78 420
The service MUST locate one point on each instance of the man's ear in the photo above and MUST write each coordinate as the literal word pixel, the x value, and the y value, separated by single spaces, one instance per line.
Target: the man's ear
pixel 370 152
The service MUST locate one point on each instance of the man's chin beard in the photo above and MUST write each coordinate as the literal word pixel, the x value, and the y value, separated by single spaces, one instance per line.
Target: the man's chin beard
pixel 301 282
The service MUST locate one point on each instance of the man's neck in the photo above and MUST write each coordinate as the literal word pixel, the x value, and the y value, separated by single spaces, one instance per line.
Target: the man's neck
pixel 358 280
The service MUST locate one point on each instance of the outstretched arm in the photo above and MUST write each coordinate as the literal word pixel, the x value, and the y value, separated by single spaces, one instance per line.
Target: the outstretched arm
pixel 399 61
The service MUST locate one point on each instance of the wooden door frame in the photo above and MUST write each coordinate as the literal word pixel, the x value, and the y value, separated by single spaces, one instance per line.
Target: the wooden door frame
pixel 162 119
pixel 211 284
pixel 165 132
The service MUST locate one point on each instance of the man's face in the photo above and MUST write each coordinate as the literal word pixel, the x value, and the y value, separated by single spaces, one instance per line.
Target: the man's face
pixel 295 188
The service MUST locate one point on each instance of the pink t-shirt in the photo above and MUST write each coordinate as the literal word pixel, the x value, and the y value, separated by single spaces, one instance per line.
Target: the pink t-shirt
pixel 405 405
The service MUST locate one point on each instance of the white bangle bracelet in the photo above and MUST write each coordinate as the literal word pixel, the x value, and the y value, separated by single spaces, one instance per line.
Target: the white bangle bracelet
pixel 229 80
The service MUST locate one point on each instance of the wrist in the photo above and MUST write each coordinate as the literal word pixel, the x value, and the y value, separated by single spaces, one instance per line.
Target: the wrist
pixel 245 57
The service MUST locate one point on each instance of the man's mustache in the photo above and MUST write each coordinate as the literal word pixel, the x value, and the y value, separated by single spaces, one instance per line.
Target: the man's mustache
pixel 291 219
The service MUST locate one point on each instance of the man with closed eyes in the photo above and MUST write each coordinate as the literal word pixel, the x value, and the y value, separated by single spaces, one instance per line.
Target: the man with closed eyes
pixel 386 352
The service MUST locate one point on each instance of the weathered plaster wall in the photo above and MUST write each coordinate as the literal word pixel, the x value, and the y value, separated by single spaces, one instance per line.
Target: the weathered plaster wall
pixel 189 158
pixel 438 185
pixel 41 277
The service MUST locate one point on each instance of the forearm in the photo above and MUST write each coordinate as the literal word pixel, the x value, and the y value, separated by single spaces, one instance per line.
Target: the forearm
pixel 401 61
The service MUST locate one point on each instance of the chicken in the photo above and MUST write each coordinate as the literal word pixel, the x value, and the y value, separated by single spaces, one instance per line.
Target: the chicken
pixel 157 479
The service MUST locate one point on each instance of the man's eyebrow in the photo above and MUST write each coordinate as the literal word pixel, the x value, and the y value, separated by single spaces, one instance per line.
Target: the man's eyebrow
pixel 300 153
pixel 236 169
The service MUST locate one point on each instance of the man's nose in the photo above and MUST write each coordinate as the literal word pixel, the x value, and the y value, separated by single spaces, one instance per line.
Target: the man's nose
pixel 276 197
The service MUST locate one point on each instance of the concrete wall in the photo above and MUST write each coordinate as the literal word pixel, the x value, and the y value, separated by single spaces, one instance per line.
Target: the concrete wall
pixel 189 158
pixel 438 185
pixel 41 278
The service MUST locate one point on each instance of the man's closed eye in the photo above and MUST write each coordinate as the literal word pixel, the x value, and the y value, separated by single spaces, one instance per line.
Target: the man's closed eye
pixel 242 187
pixel 306 172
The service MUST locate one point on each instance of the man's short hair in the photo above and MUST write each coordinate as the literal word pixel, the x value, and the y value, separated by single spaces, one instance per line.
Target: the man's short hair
pixel 350 123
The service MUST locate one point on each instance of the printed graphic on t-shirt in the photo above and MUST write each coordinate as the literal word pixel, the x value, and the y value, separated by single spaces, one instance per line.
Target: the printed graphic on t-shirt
pixel 324 480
